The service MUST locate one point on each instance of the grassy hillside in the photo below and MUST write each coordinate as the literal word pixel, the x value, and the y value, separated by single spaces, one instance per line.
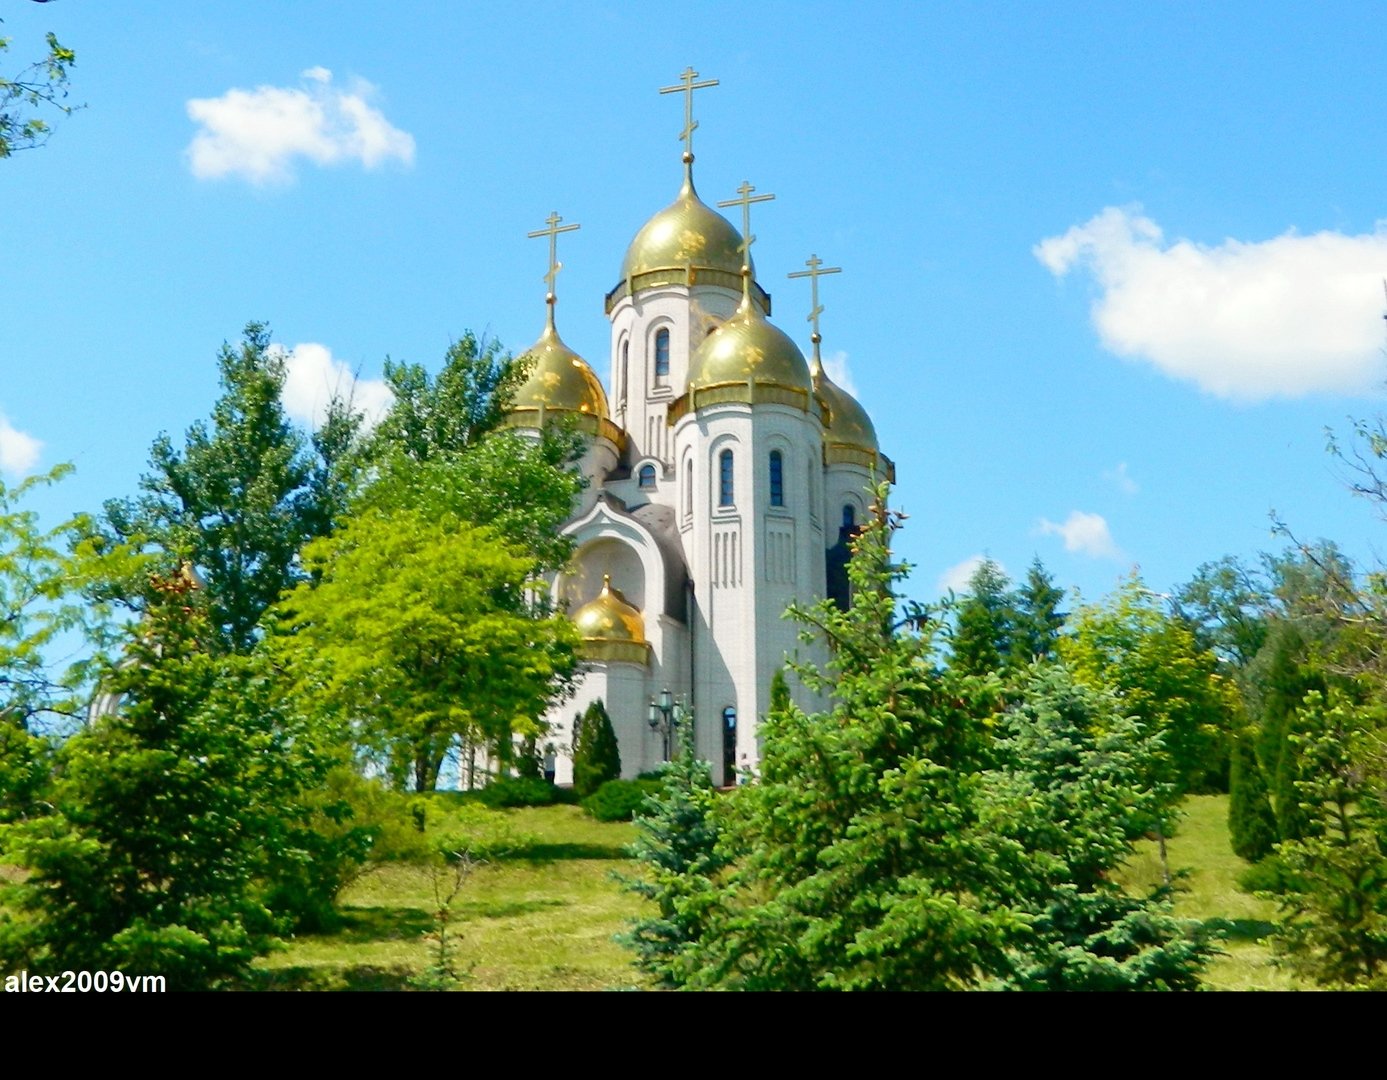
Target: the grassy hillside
pixel 1208 891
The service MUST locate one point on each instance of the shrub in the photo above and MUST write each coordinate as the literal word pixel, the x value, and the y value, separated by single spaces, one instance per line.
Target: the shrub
pixel 619 800
pixel 511 791
pixel 596 757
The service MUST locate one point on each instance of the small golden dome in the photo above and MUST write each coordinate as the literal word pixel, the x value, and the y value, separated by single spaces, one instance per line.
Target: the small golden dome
pixel 748 347
pixel 560 379
pixel 686 233
pixel 610 617
pixel 848 422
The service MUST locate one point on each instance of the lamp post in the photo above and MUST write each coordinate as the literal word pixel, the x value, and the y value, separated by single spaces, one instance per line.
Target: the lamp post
pixel 664 715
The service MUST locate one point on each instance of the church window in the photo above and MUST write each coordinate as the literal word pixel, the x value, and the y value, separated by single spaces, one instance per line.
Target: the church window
pixel 729 745
pixel 662 355
pixel 688 489
pixel 647 476
pixel 777 478
pixel 849 516
pixel 625 356
pixel 725 478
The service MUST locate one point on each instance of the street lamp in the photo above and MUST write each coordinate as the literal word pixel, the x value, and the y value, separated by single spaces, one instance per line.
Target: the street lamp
pixel 663 716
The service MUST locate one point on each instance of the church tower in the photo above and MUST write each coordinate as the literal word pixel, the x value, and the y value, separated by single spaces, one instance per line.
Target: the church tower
pixel 723 470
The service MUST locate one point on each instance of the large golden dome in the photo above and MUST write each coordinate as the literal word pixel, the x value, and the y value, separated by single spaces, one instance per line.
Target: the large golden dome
pixel 848 422
pixel 610 617
pixel 686 233
pixel 747 348
pixel 560 379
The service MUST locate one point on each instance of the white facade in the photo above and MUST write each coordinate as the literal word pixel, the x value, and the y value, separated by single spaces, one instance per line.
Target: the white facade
pixel 720 469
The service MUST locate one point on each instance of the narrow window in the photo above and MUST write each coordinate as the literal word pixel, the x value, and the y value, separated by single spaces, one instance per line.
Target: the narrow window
pixel 688 489
pixel 625 356
pixel 729 746
pixel 647 476
pixel 777 479
pixel 725 478
pixel 662 355
pixel 849 516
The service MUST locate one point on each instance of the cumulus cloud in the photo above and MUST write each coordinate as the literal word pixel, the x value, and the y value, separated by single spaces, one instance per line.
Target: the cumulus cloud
pixel 1243 320
pixel 1122 479
pixel 312 376
pixel 836 368
pixel 959 575
pixel 19 451
pixel 260 134
pixel 1084 533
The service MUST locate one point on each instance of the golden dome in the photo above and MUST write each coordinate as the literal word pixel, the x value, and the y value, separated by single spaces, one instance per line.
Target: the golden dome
pixel 686 233
pixel 848 422
pixel 560 379
pixel 748 348
pixel 610 617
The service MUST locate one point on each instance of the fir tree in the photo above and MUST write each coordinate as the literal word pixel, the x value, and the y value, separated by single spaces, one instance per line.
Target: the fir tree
pixel 596 756
pixel 677 843
pixel 1251 823
pixel 1037 616
pixel 982 638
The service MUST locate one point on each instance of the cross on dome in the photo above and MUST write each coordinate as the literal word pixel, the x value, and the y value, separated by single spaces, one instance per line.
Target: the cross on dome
pixel 816 270
pixel 687 86
pixel 553 230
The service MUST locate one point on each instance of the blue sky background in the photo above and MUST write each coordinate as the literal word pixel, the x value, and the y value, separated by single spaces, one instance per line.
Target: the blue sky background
pixel 1109 270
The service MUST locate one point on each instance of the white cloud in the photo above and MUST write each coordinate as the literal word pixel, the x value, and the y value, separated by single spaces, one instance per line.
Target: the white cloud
pixel 836 368
pixel 1082 532
pixel 959 575
pixel 1244 320
pixel 258 134
pixel 312 375
pixel 1122 479
pixel 19 452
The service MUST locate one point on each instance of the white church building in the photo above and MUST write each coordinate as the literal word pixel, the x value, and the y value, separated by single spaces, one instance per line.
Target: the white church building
pixel 725 474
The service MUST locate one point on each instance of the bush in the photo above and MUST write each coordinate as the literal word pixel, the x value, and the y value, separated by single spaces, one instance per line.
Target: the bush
pixel 1267 876
pixel 596 756
pixel 512 791
pixel 619 800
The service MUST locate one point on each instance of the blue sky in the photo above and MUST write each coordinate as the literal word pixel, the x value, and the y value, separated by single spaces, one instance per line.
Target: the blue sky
pixel 1108 270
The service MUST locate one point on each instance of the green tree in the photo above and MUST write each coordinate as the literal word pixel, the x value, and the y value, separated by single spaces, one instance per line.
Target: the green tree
pixel 677 845
pixel 42 86
pixel 1252 828
pixel 238 500
pixel 596 756
pixel 860 863
pixel 165 812
pixel 43 572
pixel 1161 676
pixel 416 631
pixel 1333 928
pixel 1037 617
pixel 1072 788
pixel 982 637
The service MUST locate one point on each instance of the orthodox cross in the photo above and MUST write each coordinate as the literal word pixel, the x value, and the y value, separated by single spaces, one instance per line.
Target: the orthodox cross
pixel 686 87
pixel 747 198
pixel 816 270
pixel 553 233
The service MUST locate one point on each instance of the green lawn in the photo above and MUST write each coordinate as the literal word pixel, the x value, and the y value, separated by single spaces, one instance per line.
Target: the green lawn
pixel 539 914
pixel 1208 891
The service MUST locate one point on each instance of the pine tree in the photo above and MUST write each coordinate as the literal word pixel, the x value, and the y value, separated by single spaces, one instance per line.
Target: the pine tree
pixel 1251 823
pixel 677 843
pixel 1037 616
pixel 982 638
pixel 596 756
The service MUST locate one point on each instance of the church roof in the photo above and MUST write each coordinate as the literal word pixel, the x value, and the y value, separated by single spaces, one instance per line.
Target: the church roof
pixel 847 423
pixel 560 379
pixel 748 348
pixel 686 233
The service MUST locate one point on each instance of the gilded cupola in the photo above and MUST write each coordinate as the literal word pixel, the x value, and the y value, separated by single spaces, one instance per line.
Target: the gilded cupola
pixel 611 627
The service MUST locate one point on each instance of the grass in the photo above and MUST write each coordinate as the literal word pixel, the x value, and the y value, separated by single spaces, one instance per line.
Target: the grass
pixel 540 914
pixel 1208 891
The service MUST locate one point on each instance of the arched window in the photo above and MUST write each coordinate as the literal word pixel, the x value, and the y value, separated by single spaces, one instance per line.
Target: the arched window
pixel 647 476
pixel 688 488
pixel 849 516
pixel 662 355
pixel 725 490
pixel 625 385
pixel 777 478
pixel 729 745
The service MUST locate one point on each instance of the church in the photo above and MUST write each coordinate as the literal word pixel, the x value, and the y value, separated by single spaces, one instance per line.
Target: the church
pixel 726 473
